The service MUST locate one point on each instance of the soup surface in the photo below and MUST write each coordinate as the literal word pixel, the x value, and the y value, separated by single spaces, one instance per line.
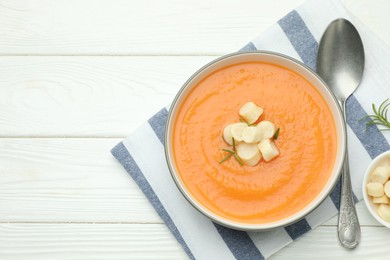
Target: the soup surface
pixel 269 191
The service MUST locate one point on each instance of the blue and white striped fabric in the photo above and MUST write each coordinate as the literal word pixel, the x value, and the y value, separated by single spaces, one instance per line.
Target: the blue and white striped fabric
pixel 297 35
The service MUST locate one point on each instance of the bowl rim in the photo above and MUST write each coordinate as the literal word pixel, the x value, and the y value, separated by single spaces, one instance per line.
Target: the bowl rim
pixel 366 198
pixel 231 223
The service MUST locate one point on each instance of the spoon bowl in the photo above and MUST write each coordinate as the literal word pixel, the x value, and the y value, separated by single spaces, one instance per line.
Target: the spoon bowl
pixel 340 60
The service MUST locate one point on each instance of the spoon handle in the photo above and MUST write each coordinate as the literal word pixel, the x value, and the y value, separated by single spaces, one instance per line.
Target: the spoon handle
pixel 348 223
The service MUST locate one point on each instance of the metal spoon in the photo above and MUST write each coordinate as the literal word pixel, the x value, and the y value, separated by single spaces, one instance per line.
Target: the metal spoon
pixel 340 62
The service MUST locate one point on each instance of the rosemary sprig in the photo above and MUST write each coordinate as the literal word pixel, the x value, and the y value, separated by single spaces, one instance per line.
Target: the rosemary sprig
pixel 238 159
pixel 226 157
pixel 380 116
pixel 232 153
pixel 227 150
pixel 276 133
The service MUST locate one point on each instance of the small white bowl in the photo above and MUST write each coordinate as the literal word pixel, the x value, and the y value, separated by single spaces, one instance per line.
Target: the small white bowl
pixel 381 160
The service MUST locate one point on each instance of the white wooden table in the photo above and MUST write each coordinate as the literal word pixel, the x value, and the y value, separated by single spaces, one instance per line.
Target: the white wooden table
pixel 77 76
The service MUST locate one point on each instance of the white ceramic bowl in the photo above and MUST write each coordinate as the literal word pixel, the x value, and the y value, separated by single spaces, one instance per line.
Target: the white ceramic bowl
pixel 273 58
pixel 381 160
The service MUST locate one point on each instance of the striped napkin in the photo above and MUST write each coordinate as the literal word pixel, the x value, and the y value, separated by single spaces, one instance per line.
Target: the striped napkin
pixel 297 35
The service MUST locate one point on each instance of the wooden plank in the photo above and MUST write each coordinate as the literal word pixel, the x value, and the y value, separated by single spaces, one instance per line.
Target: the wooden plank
pixel 75 180
pixel 154 241
pixel 67 180
pixel 87 96
pixel 86 241
pixel 121 27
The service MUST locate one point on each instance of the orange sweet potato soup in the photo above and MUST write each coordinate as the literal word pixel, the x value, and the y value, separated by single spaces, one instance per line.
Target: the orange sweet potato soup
pixel 269 191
